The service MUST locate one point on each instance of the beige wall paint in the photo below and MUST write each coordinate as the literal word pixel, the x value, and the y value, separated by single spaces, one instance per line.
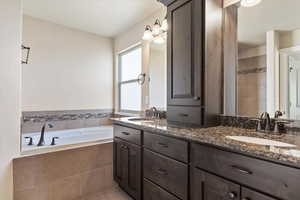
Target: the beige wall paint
pixel 289 39
pixel 129 39
pixel 252 52
pixel 10 79
pixel 68 69
pixel 158 78
pixel 134 34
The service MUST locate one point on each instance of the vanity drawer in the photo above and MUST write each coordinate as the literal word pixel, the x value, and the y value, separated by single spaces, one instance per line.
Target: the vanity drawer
pixel 274 179
pixel 128 134
pixel 153 192
pixel 190 115
pixel 167 173
pixel 174 148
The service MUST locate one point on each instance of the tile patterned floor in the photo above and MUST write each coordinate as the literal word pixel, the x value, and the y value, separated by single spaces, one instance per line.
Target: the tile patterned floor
pixel 111 194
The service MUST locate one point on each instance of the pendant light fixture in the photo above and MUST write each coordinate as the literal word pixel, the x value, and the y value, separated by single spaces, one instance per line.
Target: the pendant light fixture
pixel 157 34
pixel 250 3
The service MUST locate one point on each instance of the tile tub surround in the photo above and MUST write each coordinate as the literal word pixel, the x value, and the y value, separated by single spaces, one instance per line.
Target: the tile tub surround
pixel 67 119
pixel 77 174
pixel 216 136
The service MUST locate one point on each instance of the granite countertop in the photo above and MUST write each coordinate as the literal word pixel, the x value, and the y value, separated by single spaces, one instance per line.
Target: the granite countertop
pixel 218 136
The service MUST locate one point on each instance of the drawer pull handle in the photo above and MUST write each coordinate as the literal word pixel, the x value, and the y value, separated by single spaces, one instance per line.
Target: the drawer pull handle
pixel 162 172
pixel 124 147
pixel 246 198
pixel 125 133
pixel 232 195
pixel 241 169
pixel 183 115
pixel 163 145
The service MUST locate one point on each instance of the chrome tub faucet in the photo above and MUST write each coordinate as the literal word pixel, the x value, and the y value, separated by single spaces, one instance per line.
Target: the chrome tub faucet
pixel 42 137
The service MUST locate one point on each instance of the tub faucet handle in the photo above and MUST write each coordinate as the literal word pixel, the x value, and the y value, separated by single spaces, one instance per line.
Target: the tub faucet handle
pixel 53 141
pixel 30 141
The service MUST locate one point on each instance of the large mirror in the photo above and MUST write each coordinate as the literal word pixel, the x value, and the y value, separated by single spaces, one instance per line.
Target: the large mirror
pixel 268 71
pixel 158 76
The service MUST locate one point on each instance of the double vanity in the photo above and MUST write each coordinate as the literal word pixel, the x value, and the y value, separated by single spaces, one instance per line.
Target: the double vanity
pixel 212 70
pixel 154 160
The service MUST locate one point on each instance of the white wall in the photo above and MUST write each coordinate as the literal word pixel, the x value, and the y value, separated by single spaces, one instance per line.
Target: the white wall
pixel 129 39
pixel 10 78
pixel 68 69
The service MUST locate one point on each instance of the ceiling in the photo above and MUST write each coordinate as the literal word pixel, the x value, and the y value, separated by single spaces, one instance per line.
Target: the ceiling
pixel 103 17
pixel 254 22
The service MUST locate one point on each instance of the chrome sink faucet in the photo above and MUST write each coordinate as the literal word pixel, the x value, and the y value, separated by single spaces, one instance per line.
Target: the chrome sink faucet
pixel 265 117
pixel 42 137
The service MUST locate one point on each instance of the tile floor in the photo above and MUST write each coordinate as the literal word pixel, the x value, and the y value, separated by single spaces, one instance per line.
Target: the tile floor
pixel 111 194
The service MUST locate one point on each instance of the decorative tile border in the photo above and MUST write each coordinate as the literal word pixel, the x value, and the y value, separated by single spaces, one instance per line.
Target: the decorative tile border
pixel 47 116
pixel 65 119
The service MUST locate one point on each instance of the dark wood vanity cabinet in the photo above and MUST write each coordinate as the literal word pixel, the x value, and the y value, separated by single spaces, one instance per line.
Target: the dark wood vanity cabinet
pixel 167 168
pixel 154 192
pixel 270 178
pixel 194 60
pixel 127 165
pixel 165 165
pixel 184 53
pixel 248 194
pixel 205 186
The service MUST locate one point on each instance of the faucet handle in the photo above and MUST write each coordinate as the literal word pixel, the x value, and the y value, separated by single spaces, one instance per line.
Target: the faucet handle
pixel 258 127
pixel 53 141
pixel 277 125
pixel 30 140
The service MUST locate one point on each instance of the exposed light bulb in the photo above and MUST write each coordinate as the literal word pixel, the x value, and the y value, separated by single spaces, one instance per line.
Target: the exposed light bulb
pixel 156 27
pixel 250 3
pixel 164 25
pixel 148 35
pixel 159 40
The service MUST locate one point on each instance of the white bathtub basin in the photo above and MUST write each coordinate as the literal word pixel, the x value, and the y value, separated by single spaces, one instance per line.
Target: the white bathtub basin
pixel 67 139
pixel 260 141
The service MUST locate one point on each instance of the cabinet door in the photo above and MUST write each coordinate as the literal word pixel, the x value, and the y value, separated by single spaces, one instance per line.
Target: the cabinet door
pixel 118 161
pixel 248 194
pixel 205 186
pixel 134 177
pixel 127 167
pixel 185 52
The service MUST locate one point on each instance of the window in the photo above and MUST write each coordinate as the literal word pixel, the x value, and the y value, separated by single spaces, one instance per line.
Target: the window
pixel 130 92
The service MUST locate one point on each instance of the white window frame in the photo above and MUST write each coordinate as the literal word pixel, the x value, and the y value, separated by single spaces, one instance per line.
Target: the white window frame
pixel 120 83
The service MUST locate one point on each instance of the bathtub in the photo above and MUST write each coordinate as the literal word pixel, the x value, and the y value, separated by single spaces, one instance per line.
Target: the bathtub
pixel 68 139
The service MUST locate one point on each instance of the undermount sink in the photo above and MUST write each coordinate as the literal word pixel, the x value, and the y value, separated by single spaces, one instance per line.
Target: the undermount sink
pixel 260 141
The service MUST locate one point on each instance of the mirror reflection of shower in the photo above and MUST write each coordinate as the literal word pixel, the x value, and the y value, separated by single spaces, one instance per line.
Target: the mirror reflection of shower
pixel 294 86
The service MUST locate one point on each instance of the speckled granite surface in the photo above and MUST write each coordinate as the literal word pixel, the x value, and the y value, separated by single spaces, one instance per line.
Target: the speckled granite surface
pixel 245 122
pixel 218 136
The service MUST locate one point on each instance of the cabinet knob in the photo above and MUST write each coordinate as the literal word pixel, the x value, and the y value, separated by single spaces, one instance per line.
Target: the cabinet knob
pixel 196 98
pixel 232 195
